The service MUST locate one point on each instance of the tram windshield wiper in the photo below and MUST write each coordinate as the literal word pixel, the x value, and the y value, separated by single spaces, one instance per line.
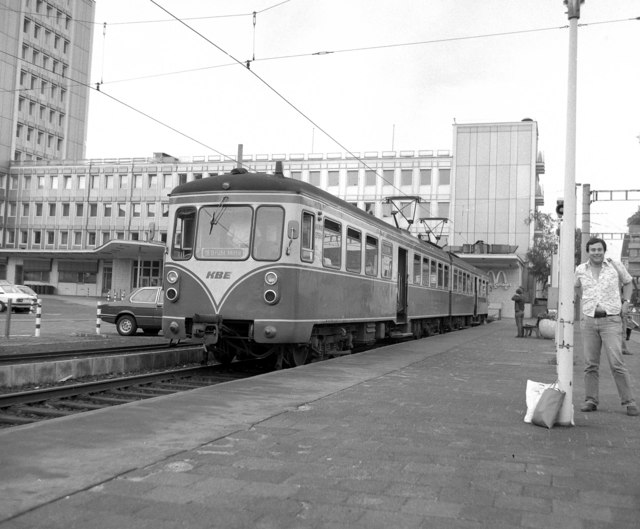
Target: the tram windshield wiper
pixel 216 218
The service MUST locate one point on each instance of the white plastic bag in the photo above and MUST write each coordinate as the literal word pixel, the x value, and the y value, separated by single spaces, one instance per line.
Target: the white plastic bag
pixel 533 393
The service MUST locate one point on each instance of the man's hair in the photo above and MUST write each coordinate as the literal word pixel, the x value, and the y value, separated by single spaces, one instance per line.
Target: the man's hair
pixel 596 240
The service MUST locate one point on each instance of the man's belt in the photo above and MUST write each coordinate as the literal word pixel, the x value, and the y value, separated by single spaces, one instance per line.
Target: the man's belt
pixel 600 314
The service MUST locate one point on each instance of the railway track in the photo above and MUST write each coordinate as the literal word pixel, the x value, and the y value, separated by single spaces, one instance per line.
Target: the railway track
pixel 60 401
pixel 50 356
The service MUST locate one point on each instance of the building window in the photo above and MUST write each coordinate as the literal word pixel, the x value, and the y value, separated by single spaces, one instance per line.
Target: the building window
pixel 51 237
pixel 91 238
pixel 95 181
pixel 25 210
pixel 106 212
pixel 123 181
pixel 387 176
pixel 135 209
pixel 137 181
pixel 38 209
pixel 108 181
pixel 52 210
pixel 65 209
pixel 314 178
pixel 93 209
pixel 370 178
pixel 445 177
pixel 333 178
pixel 24 236
pixel 82 182
pixel 443 209
pixel 40 182
pixel 122 209
pixel 77 238
pixel 151 209
pixel 296 175
pixel 64 238
pixel 153 180
pixel 182 178
pixel 79 210
pixel 167 180
pixel 165 210
pixel 352 178
pixel 406 177
pixel 106 237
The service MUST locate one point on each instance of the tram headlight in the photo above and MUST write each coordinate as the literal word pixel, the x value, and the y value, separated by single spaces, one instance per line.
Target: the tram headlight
pixel 271 297
pixel 271 278
pixel 172 294
pixel 172 276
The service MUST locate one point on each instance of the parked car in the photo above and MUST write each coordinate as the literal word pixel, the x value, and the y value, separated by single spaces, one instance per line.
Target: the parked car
pixel 141 310
pixel 20 302
pixel 27 290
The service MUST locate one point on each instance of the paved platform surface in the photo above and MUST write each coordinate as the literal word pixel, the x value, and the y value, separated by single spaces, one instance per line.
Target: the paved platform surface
pixel 423 434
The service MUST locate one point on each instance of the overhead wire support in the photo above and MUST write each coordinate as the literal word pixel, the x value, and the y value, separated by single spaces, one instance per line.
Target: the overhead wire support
pixel 244 64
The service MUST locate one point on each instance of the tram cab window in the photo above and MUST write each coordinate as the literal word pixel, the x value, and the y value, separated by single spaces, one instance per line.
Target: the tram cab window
pixel 267 240
pixel 183 233
pixel 307 233
pixel 416 268
pixel 332 244
pixel 224 232
pixel 387 259
pixel 371 256
pixel 354 250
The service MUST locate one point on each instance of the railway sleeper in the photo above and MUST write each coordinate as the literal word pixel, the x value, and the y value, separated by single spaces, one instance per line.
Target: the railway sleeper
pixel 42 411
pixel 15 420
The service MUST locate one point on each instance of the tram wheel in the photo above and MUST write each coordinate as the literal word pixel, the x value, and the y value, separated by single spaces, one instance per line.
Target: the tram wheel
pixel 222 356
pixel 297 355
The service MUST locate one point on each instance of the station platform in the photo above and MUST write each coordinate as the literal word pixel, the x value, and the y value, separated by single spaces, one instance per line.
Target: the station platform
pixel 422 434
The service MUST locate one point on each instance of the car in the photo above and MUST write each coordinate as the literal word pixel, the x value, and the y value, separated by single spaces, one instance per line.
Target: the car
pixel 20 302
pixel 142 309
pixel 27 290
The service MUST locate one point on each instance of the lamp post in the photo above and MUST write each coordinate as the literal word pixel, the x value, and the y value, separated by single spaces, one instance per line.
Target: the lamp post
pixel 566 297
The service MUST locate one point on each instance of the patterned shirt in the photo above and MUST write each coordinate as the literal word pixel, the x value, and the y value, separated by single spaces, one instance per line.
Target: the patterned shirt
pixel 603 292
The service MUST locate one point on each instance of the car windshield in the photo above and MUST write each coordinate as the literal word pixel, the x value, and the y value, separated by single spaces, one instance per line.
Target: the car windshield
pixel 10 289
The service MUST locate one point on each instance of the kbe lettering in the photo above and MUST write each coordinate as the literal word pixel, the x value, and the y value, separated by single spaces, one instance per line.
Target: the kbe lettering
pixel 218 275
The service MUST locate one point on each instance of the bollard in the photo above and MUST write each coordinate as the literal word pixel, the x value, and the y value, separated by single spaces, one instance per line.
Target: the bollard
pixel 108 296
pixel 98 312
pixel 7 329
pixel 38 316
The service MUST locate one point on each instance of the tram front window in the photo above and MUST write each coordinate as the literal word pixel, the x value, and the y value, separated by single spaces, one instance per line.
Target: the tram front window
pixel 224 232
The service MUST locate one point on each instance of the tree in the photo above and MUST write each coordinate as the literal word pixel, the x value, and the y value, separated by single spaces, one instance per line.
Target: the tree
pixel 545 244
pixel 634 219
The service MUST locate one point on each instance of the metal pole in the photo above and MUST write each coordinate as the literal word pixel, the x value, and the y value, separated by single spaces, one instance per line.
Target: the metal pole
pixel 98 319
pixel 566 298
pixel 239 157
pixel 38 316
pixel 7 328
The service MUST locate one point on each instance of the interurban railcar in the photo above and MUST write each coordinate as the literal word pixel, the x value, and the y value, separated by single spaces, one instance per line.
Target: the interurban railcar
pixel 261 265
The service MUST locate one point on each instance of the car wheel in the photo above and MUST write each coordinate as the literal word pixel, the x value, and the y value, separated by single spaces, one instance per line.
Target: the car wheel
pixel 126 325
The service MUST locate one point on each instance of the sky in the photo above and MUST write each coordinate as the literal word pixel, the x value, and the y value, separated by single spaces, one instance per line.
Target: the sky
pixel 399 74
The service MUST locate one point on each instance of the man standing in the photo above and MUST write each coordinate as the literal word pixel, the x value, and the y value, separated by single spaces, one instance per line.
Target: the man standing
pixel 597 282
pixel 518 300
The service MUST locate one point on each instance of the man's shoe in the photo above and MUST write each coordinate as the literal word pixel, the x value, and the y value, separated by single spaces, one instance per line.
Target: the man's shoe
pixel 633 410
pixel 590 406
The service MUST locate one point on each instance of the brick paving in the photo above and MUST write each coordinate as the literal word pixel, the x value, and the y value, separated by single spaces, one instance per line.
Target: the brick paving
pixel 431 437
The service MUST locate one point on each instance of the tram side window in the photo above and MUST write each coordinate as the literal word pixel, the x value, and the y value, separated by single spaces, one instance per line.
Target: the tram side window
pixel 455 280
pixel 354 250
pixel 425 272
pixel 434 274
pixel 465 284
pixel 447 284
pixel 416 269
pixel 440 276
pixel 332 244
pixel 183 233
pixel 371 256
pixel 307 234
pixel 267 239
pixel 387 259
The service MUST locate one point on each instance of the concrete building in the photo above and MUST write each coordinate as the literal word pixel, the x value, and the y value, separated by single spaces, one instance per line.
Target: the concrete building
pixel 496 187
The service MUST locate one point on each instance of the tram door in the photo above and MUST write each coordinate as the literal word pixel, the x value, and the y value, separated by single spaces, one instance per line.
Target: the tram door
pixel 475 297
pixel 402 285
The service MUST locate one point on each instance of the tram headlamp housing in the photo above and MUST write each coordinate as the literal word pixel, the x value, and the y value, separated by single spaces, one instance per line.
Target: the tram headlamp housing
pixel 271 297
pixel 172 276
pixel 172 294
pixel 271 278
